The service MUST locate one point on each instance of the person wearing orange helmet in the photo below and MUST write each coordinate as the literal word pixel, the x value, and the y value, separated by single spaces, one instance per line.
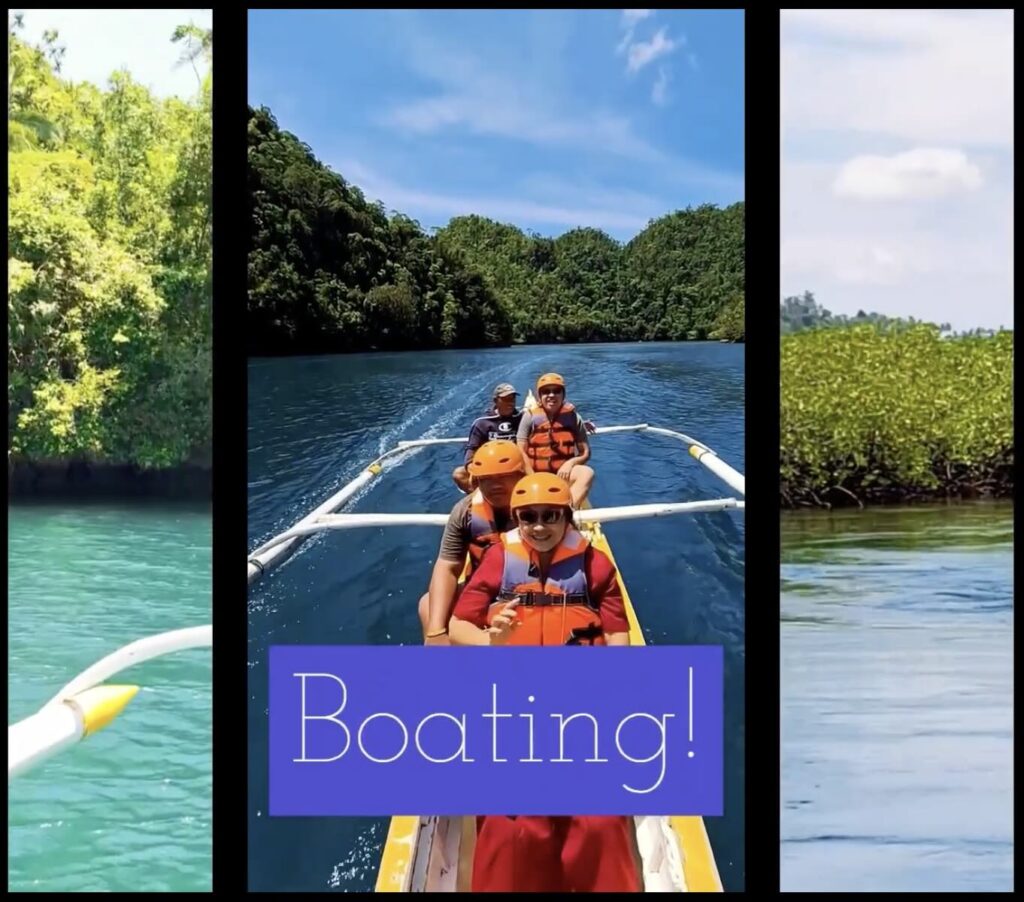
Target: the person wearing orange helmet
pixel 545 584
pixel 553 438
pixel 476 521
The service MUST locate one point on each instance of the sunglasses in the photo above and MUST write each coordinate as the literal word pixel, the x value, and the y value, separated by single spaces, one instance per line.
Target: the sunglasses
pixel 548 517
pixel 550 391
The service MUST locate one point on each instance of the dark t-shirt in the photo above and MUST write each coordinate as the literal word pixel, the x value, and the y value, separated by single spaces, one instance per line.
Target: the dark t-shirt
pixel 489 428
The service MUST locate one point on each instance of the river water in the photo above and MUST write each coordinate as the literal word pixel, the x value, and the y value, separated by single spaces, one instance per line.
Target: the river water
pixel 315 422
pixel 897 700
pixel 129 809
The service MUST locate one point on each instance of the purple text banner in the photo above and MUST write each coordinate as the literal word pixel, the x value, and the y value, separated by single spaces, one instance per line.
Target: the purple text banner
pixel 416 730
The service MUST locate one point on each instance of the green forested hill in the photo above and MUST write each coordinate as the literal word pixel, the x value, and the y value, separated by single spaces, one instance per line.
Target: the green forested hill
pixel 329 271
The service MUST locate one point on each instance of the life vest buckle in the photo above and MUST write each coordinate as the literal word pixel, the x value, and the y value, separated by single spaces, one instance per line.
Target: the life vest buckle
pixel 580 633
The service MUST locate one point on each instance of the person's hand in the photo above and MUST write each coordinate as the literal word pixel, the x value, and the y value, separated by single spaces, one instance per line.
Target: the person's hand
pixel 565 470
pixel 589 426
pixel 504 622
pixel 438 640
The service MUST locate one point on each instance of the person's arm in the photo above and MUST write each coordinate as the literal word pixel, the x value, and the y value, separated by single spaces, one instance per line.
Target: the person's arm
pixel 523 441
pixel 603 577
pixel 582 442
pixel 475 440
pixel 469 619
pixel 443 584
pixel 465 633
pixel 451 558
pixel 582 450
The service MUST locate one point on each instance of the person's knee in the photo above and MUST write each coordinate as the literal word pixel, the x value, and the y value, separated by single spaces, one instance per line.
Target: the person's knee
pixel 424 609
pixel 582 473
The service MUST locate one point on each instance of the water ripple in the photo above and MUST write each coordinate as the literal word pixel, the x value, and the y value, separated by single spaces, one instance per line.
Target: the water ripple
pixel 897 700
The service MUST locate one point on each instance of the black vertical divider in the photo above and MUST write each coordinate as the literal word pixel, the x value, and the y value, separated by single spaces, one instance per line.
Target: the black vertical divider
pixel 230 246
pixel 1016 442
pixel 761 629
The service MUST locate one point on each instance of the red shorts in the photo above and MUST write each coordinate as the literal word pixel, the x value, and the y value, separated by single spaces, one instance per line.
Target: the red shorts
pixel 555 854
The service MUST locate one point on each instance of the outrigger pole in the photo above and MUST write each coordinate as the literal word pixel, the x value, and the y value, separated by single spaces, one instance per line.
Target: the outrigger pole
pixel 84 707
pixel 325 517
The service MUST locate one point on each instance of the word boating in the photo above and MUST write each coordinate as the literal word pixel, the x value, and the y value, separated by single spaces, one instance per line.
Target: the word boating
pixel 384 737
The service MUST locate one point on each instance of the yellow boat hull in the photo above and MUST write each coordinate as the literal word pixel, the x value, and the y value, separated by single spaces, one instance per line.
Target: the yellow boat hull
pixel 435 854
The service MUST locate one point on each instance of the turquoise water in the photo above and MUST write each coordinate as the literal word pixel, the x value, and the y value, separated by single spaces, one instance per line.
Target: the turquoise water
pixel 130 808
pixel 897 700
pixel 315 422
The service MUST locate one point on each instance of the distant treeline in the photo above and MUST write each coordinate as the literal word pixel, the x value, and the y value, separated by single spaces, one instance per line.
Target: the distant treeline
pixel 331 272
pixel 109 261
pixel 804 312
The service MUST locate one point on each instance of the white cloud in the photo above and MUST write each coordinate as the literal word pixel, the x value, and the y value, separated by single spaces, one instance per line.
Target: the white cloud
pixel 476 95
pixel 928 77
pixel 632 16
pixel 659 93
pixel 499 108
pixel 919 173
pixel 630 19
pixel 641 53
pixel 899 107
pixel 100 41
pixel 644 52
pixel 514 209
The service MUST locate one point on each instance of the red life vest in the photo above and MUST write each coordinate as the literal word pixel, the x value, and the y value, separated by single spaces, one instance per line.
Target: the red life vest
pixel 551 442
pixel 559 611
pixel 483 529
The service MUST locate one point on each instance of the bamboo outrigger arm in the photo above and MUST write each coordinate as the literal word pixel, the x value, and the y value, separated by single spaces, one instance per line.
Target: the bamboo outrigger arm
pixel 326 517
pixel 83 706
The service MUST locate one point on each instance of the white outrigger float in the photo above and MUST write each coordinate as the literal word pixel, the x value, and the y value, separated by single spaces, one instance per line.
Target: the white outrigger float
pixel 425 853
pixel 86 705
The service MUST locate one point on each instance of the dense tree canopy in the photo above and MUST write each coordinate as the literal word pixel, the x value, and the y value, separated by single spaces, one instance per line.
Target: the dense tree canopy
pixel 875 413
pixel 109 264
pixel 329 271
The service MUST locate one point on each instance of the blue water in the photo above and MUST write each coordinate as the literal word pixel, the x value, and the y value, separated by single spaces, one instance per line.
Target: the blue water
pixel 897 700
pixel 314 423
pixel 129 809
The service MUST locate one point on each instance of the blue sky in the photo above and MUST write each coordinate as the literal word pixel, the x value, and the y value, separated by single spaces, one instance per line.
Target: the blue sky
pixel 100 41
pixel 548 119
pixel 897 162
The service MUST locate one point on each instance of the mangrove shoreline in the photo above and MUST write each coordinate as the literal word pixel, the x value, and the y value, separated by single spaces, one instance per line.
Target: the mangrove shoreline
pixel 76 480
pixel 894 413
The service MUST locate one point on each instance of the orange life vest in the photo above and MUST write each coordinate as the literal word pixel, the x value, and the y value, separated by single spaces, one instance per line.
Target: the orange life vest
pixel 559 611
pixel 483 529
pixel 551 442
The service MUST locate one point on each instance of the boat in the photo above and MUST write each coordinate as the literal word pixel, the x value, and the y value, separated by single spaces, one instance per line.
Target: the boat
pixel 424 853
pixel 87 704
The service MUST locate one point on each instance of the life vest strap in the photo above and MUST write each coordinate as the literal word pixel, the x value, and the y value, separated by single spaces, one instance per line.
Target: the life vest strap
pixel 546 599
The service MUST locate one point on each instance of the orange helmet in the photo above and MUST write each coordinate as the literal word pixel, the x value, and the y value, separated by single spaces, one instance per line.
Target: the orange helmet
pixel 550 379
pixel 541 488
pixel 497 458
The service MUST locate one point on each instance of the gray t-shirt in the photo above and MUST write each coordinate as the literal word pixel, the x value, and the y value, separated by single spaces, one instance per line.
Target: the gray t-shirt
pixel 455 541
